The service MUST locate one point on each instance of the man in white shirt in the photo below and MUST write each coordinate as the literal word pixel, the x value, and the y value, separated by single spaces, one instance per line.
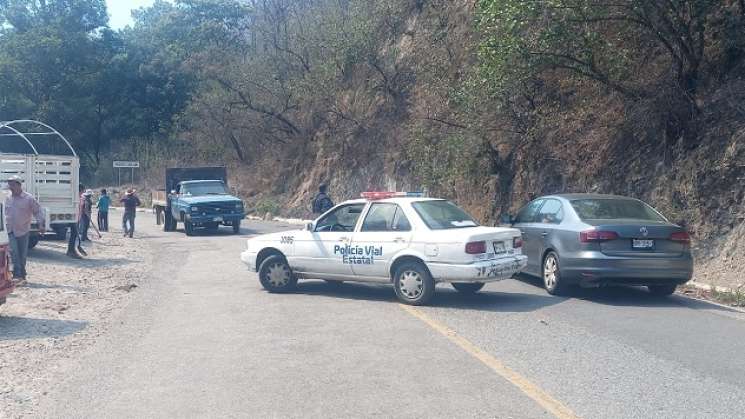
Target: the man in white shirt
pixel 20 207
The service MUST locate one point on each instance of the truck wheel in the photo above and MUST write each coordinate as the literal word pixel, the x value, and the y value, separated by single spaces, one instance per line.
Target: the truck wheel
pixel 188 228
pixel 33 241
pixel 413 284
pixel 468 287
pixel 275 275
pixel 60 232
pixel 236 227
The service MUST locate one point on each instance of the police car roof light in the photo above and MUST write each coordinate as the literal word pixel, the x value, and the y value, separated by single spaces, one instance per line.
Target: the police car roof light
pixel 372 195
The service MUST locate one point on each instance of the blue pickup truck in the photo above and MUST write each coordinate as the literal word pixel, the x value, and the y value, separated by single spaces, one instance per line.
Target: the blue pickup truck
pixel 199 198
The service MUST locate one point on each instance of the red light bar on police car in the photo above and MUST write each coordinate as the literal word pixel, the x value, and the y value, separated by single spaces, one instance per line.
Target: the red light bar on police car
pixel 372 195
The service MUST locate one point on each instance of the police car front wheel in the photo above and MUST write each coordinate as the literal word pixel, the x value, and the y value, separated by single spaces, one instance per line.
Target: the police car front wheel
pixel 275 275
pixel 413 284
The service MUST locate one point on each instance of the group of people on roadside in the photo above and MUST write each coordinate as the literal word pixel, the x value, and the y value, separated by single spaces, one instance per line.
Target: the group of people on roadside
pixel 21 208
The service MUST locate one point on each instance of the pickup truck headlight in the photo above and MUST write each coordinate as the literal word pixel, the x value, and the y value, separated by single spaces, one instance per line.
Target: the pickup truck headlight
pixel 194 209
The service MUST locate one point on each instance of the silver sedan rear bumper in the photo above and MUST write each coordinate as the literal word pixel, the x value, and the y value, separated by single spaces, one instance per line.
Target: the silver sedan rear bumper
pixel 600 269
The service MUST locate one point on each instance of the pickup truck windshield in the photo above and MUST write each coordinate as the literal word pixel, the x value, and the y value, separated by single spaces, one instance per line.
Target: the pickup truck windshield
pixel 441 215
pixel 204 188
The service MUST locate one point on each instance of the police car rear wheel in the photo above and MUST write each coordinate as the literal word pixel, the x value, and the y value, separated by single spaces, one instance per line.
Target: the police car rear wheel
pixel 468 287
pixel 413 284
pixel 275 275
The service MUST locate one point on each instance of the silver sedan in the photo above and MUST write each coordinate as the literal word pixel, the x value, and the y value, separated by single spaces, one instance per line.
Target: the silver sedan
pixel 594 240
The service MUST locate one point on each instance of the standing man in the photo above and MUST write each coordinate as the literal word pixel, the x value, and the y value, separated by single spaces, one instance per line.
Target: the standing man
pixel 322 202
pixel 74 249
pixel 103 210
pixel 131 202
pixel 86 212
pixel 20 206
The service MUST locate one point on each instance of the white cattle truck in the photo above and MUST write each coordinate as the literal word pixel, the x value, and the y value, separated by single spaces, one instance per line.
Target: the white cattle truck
pixel 50 170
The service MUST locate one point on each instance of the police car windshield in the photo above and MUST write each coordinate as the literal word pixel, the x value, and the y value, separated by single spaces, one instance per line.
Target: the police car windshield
pixel 204 188
pixel 442 215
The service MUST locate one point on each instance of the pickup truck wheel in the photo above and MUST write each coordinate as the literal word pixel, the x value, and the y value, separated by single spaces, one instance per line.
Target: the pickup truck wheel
pixel 2 300
pixel 275 275
pixel 236 227
pixel 188 228
pixel 33 241
pixel 413 284
pixel 468 287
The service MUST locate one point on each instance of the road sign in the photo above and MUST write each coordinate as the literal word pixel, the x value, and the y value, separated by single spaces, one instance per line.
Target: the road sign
pixel 120 164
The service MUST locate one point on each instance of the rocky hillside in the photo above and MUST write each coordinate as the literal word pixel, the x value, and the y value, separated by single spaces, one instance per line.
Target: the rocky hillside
pixel 566 134
pixel 486 102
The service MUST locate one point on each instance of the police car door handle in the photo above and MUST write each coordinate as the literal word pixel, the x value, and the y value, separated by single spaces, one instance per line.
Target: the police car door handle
pixel 399 240
pixel 343 239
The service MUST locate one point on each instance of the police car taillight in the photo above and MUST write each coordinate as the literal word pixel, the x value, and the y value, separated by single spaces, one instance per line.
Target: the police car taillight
pixel 476 248
pixel 372 195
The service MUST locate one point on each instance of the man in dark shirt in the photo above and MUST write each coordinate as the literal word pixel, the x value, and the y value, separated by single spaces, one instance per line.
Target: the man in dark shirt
pixel 322 202
pixel 74 249
pixel 130 202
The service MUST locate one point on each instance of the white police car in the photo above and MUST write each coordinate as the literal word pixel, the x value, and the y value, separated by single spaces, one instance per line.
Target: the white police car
pixel 403 238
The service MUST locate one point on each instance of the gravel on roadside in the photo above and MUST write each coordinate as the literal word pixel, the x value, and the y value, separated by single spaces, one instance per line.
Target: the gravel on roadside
pixel 65 305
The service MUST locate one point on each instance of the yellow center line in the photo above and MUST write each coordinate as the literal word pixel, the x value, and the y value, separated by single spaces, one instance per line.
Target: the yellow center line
pixel 531 390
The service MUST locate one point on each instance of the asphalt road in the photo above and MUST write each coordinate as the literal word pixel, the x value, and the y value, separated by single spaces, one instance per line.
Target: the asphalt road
pixel 204 340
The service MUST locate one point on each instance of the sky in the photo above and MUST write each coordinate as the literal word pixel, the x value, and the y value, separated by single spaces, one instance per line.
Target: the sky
pixel 119 11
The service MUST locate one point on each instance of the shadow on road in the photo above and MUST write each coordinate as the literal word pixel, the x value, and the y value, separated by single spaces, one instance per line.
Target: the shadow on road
pixel 48 255
pixel 628 296
pixel 445 297
pixel 15 328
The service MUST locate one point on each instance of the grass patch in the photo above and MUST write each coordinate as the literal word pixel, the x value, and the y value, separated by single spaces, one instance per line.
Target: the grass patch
pixel 734 298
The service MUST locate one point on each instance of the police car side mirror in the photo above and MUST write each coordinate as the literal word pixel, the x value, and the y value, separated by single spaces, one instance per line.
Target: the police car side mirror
pixel 507 219
pixel 309 227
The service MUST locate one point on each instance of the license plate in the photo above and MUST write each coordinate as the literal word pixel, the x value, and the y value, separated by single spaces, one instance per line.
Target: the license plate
pixel 498 247
pixel 217 219
pixel 642 244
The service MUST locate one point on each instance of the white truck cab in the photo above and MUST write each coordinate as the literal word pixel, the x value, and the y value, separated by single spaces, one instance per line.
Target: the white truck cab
pixel 390 237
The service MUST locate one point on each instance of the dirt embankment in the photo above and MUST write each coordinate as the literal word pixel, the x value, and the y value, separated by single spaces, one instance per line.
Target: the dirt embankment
pixel 64 307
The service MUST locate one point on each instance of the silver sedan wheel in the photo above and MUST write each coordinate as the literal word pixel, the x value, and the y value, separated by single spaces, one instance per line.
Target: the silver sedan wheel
pixel 278 275
pixel 411 284
pixel 550 270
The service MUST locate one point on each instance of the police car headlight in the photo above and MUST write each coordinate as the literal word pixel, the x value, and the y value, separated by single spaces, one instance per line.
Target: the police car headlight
pixel 194 209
